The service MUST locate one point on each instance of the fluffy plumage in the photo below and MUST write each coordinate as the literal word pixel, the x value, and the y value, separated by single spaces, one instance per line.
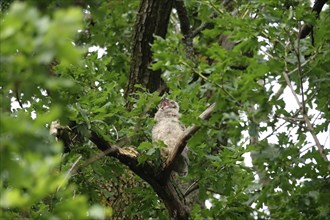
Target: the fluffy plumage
pixel 168 129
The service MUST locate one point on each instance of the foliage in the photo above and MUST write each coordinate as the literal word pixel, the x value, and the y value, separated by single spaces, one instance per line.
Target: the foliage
pixel 53 79
pixel 32 184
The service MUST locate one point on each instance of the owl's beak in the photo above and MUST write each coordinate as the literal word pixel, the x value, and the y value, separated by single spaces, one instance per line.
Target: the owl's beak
pixel 165 103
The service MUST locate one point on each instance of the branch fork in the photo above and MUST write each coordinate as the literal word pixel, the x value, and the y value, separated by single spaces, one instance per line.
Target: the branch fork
pixel 159 182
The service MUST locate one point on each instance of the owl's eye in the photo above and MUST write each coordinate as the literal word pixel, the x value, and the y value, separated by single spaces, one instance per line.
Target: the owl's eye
pixel 173 104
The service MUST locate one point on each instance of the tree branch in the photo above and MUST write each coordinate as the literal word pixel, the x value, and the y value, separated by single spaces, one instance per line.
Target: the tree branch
pixel 129 157
pixel 185 28
pixel 306 28
pixel 203 26
pixel 194 186
pixel 145 171
pixel 164 189
pixel 302 104
pixel 69 173
pixel 176 209
pixel 92 160
pixel 17 96
pixel 307 121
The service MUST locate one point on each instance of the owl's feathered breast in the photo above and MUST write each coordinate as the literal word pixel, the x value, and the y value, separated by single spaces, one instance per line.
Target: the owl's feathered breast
pixel 168 127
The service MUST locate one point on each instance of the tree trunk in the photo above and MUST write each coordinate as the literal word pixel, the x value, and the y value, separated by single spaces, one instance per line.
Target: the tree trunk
pixel 152 19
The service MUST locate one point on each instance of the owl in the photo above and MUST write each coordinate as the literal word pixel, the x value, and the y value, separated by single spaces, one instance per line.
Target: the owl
pixel 168 129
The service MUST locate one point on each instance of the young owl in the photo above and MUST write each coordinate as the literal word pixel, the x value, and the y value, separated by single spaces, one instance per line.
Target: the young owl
pixel 168 129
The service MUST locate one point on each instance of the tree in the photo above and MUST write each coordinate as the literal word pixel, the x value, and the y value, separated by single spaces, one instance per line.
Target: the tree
pixel 229 64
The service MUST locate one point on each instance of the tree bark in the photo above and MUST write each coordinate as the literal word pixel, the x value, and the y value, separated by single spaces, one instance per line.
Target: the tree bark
pixel 152 20
pixel 317 8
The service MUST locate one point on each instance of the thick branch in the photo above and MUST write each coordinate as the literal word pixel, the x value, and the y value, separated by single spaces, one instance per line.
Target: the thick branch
pixel 145 171
pixel 317 7
pixel 167 193
pixel 160 183
pixel 129 157
pixel 183 17
pixel 185 27
pixel 181 143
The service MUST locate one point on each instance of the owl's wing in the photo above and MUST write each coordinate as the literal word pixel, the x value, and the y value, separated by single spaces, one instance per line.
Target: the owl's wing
pixel 182 126
pixel 181 165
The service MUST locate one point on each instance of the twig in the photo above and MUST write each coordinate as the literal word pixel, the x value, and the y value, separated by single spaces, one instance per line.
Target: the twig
pixel 18 98
pixel 302 104
pixel 194 186
pixel 316 117
pixel 273 132
pixel 303 64
pixel 107 151
pixel 93 159
pixel 72 168
pixel 325 141
pixel 200 28
pixel 306 29
pixel 295 122
pixel 69 173
pixel 218 10
pixel 217 84
pixel 279 92
pixel 300 77
pixel 203 26
pixel 307 121
pixel 317 142
pixel 117 136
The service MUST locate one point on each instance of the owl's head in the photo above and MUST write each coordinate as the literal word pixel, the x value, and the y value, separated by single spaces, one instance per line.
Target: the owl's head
pixel 167 109
pixel 166 103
